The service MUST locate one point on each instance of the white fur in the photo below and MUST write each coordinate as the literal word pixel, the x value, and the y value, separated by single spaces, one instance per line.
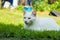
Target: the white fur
pixel 43 24
pixel 40 24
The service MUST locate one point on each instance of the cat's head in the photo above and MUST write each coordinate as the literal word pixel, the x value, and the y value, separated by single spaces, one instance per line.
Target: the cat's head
pixel 29 17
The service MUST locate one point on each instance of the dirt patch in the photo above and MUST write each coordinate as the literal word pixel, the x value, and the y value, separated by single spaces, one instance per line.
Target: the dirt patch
pixel 44 13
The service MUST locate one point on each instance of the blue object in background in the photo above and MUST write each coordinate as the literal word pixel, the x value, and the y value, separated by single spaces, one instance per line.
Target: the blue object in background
pixel 11 1
pixel 28 2
pixel 29 9
pixel 3 1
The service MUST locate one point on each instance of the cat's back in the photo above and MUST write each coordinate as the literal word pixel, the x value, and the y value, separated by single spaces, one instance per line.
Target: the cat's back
pixel 42 19
pixel 47 23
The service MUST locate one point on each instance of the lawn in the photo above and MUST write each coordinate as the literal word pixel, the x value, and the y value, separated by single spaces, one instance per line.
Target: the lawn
pixel 11 22
pixel 11 16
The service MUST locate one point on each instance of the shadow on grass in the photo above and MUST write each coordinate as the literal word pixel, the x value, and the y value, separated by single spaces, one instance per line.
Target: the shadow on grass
pixel 13 32
pixel 9 30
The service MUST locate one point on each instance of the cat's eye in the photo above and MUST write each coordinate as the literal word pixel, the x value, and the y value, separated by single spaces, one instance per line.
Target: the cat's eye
pixel 24 17
pixel 29 18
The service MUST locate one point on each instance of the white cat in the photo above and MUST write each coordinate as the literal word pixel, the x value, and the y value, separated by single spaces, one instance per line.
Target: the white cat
pixel 31 22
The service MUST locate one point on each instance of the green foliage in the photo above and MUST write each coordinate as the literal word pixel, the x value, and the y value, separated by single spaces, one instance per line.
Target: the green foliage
pixel 38 5
pixel 55 6
pixel 41 6
pixel 58 22
pixel 58 0
pixel 20 7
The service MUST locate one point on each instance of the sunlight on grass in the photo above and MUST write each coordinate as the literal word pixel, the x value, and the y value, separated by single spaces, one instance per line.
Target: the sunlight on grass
pixel 11 16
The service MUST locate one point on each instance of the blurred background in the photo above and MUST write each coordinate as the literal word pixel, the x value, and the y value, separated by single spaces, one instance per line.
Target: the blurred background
pixel 11 15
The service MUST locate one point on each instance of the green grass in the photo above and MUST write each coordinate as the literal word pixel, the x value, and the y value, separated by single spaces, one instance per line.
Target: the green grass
pixel 58 21
pixel 11 22
pixel 11 17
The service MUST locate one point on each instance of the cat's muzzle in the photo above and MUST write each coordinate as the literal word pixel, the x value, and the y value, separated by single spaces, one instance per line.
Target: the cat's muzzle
pixel 26 22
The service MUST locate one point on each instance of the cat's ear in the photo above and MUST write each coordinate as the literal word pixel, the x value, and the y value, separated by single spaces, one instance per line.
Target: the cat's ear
pixel 34 12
